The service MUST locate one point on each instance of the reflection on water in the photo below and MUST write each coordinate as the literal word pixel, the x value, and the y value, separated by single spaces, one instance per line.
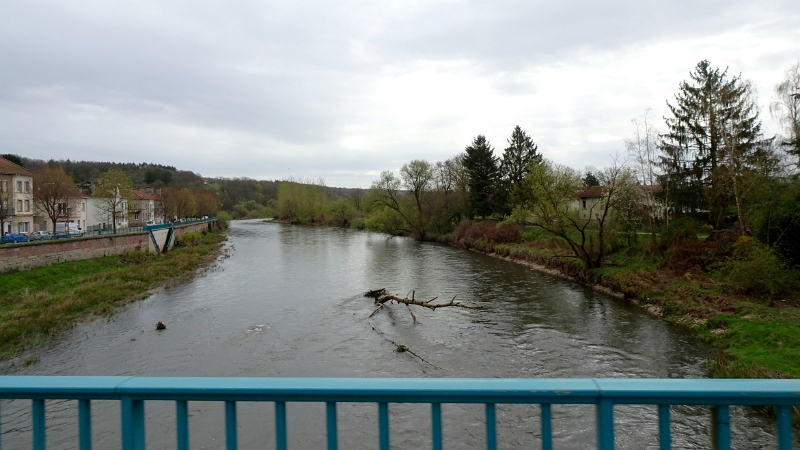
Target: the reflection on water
pixel 288 303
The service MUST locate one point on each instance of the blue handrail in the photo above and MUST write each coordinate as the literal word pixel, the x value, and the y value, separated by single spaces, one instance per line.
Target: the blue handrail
pixel 132 392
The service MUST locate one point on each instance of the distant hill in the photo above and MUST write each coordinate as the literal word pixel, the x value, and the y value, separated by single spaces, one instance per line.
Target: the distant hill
pixel 142 174
pixel 231 191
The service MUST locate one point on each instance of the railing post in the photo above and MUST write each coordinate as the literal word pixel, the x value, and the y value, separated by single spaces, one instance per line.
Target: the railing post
pixel 664 432
pixel 280 425
pixel 547 427
pixel 231 435
pixel 784 424
pixel 720 427
pixel 333 440
pixel 383 425
pixel 85 424
pixel 491 427
pixel 436 425
pixel 39 432
pixel 605 424
pixel 132 424
pixel 182 425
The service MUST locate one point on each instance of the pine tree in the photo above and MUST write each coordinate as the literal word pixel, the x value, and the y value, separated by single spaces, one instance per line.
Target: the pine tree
pixel 517 157
pixel 590 179
pixel 481 165
pixel 713 116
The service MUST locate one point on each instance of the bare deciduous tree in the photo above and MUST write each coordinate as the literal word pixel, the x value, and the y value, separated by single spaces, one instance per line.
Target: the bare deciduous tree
pixel 787 108
pixel 644 150
pixel 114 195
pixel 550 194
pixel 54 193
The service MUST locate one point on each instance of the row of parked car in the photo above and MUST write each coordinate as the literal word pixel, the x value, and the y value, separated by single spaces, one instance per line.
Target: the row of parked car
pixel 13 238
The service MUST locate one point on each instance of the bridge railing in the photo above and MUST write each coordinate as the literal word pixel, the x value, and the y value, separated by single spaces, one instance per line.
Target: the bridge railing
pixel 133 392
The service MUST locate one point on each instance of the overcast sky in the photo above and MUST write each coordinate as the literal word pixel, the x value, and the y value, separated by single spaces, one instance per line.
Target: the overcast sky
pixel 343 90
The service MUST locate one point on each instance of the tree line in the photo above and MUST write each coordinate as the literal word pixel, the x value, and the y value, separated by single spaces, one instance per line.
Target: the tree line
pixel 712 167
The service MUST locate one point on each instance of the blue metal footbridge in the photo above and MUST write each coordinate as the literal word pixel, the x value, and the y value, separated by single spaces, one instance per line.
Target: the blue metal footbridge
pixel 134 392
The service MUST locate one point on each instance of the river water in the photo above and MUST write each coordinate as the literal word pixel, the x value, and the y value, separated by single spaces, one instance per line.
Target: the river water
pixel 287 301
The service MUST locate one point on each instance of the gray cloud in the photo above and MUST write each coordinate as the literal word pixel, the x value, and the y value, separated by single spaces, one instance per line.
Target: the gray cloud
pixel 247 85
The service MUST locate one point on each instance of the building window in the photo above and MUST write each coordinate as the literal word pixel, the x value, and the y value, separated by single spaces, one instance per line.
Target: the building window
pixel 62 209
pixel 4 186
pixel 136 216
pixel 27 206
pixel 584 204
pixel 22 227
pixel 19 186
pixel 19 205
pixel 27 186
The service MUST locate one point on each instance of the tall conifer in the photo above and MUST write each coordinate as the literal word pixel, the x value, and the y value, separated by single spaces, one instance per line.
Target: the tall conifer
pixel 517 157
pixel 713 116
pixel 481 165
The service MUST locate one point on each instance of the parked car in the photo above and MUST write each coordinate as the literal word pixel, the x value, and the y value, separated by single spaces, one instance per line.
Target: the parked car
pixel 38 235
pixel 13 238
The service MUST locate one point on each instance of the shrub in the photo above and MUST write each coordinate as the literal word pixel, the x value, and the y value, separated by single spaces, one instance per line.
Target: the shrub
pixel 755 270
pixel 683 228
pixel 190 239
pixel 357 223
pixel 684 255
pixel 488 231
pixel 223 220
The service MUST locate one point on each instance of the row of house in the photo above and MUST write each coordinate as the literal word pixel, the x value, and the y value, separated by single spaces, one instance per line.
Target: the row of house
pixel 19 213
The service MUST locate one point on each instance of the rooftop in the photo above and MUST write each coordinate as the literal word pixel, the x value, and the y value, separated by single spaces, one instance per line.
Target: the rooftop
pixel 9 168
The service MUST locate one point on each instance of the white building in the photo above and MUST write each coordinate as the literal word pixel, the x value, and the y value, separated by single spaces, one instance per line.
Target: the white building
pixel 98 214
pixel 76 215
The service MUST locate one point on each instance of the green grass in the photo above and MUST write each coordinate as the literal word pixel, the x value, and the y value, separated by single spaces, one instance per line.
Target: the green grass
pixel 758 335
pixel 37 303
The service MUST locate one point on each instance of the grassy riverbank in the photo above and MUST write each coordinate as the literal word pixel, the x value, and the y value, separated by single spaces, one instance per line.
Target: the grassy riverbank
pixel 37 303
pixel 756 331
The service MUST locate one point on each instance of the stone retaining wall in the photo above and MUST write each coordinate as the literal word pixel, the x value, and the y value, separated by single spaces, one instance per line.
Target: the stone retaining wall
pixel 44 253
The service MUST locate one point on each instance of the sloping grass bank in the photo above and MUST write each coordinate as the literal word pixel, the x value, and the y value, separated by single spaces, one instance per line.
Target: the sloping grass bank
pixel 37 303
pixel 756 335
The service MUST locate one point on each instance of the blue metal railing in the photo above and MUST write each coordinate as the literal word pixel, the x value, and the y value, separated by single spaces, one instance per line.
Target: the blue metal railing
pixel 178 224
pixel 94 231
pixel 132 392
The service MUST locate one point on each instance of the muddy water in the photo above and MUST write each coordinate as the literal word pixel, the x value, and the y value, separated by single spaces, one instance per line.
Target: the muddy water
pixel 287 303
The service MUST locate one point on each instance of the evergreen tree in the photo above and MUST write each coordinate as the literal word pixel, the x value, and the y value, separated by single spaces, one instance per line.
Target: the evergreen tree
pixel 481 165
pixel 517 157
pixel 590 180
pixel 713 116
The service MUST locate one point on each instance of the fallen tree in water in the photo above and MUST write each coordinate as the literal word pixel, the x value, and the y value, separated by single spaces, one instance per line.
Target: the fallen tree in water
pixel 382 297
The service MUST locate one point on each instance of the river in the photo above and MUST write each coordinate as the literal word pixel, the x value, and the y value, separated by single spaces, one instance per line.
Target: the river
pixel 286 301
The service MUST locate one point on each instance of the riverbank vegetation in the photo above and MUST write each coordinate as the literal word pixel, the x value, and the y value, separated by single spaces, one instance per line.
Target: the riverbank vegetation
pixel 699 222
pixel 37 303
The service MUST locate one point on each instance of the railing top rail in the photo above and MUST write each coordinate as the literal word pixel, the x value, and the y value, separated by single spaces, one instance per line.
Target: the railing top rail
pixel 178 224
pixel 410 390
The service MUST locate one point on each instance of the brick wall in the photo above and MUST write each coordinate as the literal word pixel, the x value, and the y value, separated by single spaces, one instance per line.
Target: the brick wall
pixel 39 254
pixel 44 253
